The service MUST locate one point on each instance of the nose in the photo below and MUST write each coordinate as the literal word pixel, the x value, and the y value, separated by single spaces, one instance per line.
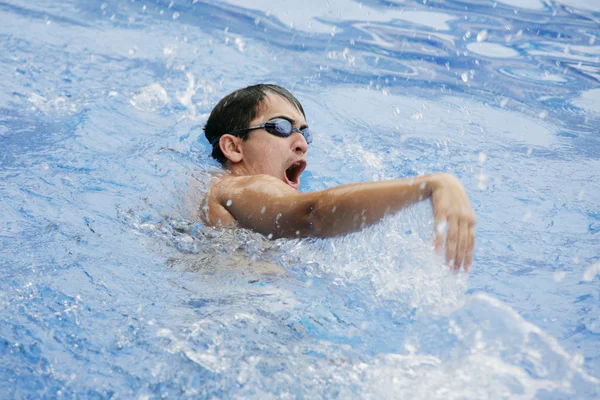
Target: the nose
pixel 299 145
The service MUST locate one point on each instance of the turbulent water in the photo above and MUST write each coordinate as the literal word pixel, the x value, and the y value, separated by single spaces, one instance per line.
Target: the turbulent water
pixel 111 288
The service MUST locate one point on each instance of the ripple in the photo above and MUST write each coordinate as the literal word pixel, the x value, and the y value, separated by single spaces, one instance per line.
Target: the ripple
pixel 529 4
pixel 493 50
pixel 582 4
pixel 533 75
pixel 589 100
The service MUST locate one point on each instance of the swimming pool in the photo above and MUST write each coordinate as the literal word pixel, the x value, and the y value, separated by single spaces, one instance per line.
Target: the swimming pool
pixel 111 289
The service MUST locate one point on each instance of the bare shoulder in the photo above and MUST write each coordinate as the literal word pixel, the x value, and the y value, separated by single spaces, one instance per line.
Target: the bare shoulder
pixel 231 197
pixel 230 186
pixel 215 213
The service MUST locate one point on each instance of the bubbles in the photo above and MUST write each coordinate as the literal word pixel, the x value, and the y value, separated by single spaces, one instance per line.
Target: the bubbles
pixel 150 98
pixel 52 106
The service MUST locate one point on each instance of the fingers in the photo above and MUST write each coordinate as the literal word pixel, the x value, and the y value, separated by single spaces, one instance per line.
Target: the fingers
pixel 470 247
pixel 460 242
pixel 453 213
pixel 440 233
pixel 451 243
pixel 461 245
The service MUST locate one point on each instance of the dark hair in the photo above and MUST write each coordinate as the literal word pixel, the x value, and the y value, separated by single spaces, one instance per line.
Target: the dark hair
pixel 236 111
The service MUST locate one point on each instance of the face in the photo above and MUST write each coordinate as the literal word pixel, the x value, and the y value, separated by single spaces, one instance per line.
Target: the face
pixel 264 153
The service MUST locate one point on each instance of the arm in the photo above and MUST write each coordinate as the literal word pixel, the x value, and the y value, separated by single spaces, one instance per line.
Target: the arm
pixel 267 205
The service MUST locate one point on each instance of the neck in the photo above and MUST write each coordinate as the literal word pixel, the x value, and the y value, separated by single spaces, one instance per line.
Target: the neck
pixel 239 169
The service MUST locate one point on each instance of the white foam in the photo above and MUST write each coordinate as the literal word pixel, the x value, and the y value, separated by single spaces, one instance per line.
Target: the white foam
pixel 150 98
pixel 590 272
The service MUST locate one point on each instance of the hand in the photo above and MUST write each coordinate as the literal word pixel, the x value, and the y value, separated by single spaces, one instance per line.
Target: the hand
pixel 452 210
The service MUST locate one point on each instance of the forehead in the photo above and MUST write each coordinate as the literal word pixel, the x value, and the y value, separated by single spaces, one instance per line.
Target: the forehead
pixel 274 105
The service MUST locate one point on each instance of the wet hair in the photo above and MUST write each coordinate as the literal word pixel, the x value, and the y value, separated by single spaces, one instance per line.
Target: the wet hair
pixel 236 111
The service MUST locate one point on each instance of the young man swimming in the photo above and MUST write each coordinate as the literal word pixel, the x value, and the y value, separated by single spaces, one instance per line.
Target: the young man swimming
pixel 261 137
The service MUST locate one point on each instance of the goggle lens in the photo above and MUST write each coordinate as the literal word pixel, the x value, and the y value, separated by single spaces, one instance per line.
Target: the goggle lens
pixel 284 128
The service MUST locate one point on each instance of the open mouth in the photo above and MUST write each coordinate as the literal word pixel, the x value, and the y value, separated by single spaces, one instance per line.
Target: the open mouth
pixel 292 174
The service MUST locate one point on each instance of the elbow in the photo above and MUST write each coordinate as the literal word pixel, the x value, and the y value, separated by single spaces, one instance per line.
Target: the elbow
pixel 315 221
pixel 324 218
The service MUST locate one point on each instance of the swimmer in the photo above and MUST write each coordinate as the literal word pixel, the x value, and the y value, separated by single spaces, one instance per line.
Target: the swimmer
pixel 260 136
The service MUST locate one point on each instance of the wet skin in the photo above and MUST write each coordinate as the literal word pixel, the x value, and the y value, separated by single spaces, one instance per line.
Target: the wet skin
pixel 257 193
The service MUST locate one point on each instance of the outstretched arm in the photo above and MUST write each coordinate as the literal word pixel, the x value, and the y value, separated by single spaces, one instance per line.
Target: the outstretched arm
pixel 267 205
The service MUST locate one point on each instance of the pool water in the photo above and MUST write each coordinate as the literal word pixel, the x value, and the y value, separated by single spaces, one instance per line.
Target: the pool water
pixel 111 288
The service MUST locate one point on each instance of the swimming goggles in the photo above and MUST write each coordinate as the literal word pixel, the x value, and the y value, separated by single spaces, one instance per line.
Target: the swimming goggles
pixel 278 127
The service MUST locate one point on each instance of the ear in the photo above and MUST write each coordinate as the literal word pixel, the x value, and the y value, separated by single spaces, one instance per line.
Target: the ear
pixel 231 147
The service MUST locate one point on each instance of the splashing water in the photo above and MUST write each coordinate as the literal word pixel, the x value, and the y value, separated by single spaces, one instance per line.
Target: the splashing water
pixel 112 287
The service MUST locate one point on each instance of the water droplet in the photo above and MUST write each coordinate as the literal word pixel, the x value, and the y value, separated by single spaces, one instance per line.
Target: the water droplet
pixel 591 272
pixel 228 203
pixel 543 114
pixel 239 44
pixel 559 276
pixel 175 15
pixel 482 180
pixel 442 227
pixel 464 77
pixel 481 158
pixel 482 35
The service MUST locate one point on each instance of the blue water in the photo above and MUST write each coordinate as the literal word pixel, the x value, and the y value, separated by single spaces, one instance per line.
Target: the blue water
pixel 110 288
